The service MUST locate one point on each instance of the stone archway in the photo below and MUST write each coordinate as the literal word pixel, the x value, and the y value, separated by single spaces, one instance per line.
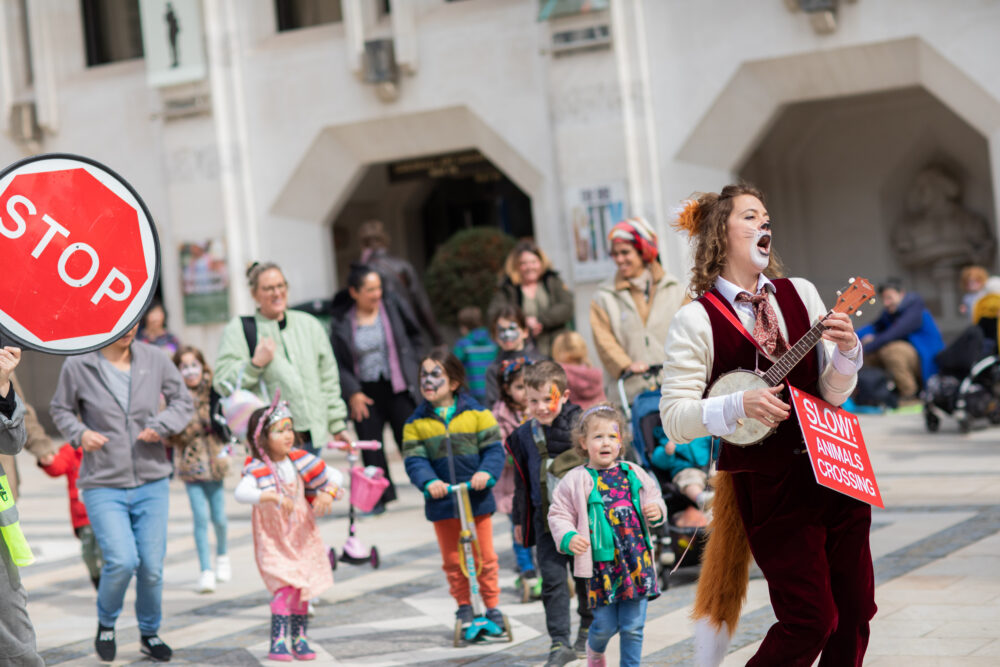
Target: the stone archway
pixel 337 159
pixel 837 138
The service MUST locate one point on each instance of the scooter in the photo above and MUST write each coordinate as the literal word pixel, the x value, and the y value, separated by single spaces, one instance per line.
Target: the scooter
pixel 481 629
pixel 365 493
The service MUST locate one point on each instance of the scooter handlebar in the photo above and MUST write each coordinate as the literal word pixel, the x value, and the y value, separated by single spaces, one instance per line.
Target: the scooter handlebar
pixel 360 444
pixel 452 488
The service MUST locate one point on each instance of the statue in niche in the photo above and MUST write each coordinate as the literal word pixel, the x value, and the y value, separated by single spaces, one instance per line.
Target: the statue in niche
pixel 937 236
pixel 937 229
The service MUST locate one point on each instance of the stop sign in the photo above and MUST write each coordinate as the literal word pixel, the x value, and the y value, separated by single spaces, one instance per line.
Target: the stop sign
pixel 79 251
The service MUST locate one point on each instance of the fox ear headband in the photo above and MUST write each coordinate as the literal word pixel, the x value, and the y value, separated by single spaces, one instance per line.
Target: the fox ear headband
pixel 686 217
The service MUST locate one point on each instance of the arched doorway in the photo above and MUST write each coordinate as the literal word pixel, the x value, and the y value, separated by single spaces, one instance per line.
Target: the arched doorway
pixel 853 184
pixel 424 200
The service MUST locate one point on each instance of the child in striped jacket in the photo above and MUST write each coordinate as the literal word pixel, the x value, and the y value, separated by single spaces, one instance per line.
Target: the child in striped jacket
pixel 287 487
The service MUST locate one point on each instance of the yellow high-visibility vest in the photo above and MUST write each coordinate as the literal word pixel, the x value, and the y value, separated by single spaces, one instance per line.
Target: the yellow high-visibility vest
pixel 10 527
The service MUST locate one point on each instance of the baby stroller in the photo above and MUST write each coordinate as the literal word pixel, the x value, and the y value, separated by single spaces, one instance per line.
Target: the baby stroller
pixel 967 385
pixel 673 542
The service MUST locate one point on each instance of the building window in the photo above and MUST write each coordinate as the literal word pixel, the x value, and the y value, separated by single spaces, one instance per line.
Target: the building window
pixel 295 14
pixel 111 30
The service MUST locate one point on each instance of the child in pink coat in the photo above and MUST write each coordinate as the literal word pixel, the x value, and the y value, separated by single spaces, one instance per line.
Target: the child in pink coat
pixel 601 513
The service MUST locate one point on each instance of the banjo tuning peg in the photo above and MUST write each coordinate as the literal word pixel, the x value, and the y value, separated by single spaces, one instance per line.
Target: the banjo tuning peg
pixel 857 313
pixel 871 300
pixel 839 293
pixel 851 281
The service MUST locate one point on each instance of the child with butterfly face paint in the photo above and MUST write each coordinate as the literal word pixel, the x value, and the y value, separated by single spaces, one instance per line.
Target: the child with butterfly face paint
pixel 450 439
pixel 510 331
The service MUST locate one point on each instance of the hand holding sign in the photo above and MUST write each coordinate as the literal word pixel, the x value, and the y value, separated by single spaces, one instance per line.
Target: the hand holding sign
pixel 9 358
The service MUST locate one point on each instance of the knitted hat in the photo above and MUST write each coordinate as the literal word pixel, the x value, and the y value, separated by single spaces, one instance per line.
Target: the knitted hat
pixel 640 234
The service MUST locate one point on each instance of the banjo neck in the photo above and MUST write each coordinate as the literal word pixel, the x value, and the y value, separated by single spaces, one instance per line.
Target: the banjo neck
pixel 786 362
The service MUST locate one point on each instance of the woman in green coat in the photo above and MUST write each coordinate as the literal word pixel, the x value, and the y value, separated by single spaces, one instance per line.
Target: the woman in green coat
pixel 291 351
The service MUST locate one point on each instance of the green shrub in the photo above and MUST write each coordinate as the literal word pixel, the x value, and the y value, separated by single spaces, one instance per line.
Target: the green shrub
pixel 464 270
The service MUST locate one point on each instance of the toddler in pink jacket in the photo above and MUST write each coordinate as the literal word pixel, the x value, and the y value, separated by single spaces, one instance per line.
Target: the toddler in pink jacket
pixel 601 513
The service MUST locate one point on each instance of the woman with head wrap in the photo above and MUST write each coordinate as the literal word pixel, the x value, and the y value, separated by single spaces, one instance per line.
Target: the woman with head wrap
pixel 631 313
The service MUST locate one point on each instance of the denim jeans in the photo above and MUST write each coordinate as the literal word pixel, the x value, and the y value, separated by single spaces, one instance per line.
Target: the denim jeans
pixel 627 617
pixel 205 496
pixel 131 529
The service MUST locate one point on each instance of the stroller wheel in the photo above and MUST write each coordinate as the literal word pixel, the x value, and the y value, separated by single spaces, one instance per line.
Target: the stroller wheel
pixel 375 559
pixel 964 425
pixel 332 555
pixel 932 422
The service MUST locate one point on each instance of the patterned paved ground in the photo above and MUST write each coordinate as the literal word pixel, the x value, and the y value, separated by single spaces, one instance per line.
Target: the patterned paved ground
pixel 937 551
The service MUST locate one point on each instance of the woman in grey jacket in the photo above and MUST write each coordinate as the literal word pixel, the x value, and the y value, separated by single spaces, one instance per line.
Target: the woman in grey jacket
pixel 107 402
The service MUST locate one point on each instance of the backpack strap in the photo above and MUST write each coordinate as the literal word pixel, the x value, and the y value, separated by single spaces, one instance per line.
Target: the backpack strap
pixel 250 332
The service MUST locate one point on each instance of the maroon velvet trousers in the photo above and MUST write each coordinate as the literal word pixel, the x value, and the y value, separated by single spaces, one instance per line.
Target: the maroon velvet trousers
pixel 811 543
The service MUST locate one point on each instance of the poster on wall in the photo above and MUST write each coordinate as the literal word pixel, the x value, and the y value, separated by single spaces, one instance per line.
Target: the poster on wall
pixel 593 211
pixel 551 9
pixel 204 282
pixel 172 41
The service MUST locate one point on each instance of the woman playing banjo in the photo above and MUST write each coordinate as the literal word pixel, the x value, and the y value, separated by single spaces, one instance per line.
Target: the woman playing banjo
pixel 811 543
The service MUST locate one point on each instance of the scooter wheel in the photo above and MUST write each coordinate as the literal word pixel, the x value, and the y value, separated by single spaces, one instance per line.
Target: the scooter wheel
pixel 525 590
pixel 932 422
pixel 508 631
pixel 458 634
pixel 332 555
pixel 375 559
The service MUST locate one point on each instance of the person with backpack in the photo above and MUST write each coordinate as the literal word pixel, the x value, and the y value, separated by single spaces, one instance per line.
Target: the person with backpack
pixel 542 450
pixel 278 348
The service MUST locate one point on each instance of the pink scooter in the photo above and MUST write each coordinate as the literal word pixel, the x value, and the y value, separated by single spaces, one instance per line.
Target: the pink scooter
pixel 366 490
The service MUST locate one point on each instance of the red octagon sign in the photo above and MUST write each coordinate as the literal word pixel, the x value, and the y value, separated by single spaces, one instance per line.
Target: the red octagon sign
pixel 80 254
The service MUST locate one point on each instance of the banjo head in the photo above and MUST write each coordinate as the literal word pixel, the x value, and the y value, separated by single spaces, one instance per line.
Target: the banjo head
pixel 748 431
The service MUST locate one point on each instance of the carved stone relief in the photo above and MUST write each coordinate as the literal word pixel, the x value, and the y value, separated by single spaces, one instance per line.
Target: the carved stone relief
pixel 937 235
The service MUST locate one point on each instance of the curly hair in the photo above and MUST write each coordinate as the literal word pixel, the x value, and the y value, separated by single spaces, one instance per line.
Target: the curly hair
pixel 709 227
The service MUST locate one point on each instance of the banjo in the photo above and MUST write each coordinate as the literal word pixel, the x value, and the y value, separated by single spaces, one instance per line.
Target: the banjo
pixel 750 431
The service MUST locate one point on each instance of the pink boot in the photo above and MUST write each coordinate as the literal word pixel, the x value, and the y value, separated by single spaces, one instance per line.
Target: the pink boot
pixel 594 659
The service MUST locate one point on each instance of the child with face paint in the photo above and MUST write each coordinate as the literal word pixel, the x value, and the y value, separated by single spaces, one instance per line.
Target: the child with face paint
pixel 510 412
pixel 288 487
pixel 510 331
pixel 542 451
pixel 450 439
pixel 601 513
pixel 202 460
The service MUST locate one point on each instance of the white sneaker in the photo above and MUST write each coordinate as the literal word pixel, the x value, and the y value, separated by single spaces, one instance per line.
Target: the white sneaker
pixel 223 571
pixel 206 582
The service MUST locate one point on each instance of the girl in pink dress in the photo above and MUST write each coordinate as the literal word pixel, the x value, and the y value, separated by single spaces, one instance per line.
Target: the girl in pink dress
pixel 288 488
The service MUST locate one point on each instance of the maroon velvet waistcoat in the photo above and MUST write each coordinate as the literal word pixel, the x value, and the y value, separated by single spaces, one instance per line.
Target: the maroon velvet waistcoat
pixel 733 351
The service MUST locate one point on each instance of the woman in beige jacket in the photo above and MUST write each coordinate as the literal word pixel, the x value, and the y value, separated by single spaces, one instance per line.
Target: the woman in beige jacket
pixel 631 313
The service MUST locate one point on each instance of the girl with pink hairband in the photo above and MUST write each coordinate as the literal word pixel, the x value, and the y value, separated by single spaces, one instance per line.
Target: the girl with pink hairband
pixel 288 488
